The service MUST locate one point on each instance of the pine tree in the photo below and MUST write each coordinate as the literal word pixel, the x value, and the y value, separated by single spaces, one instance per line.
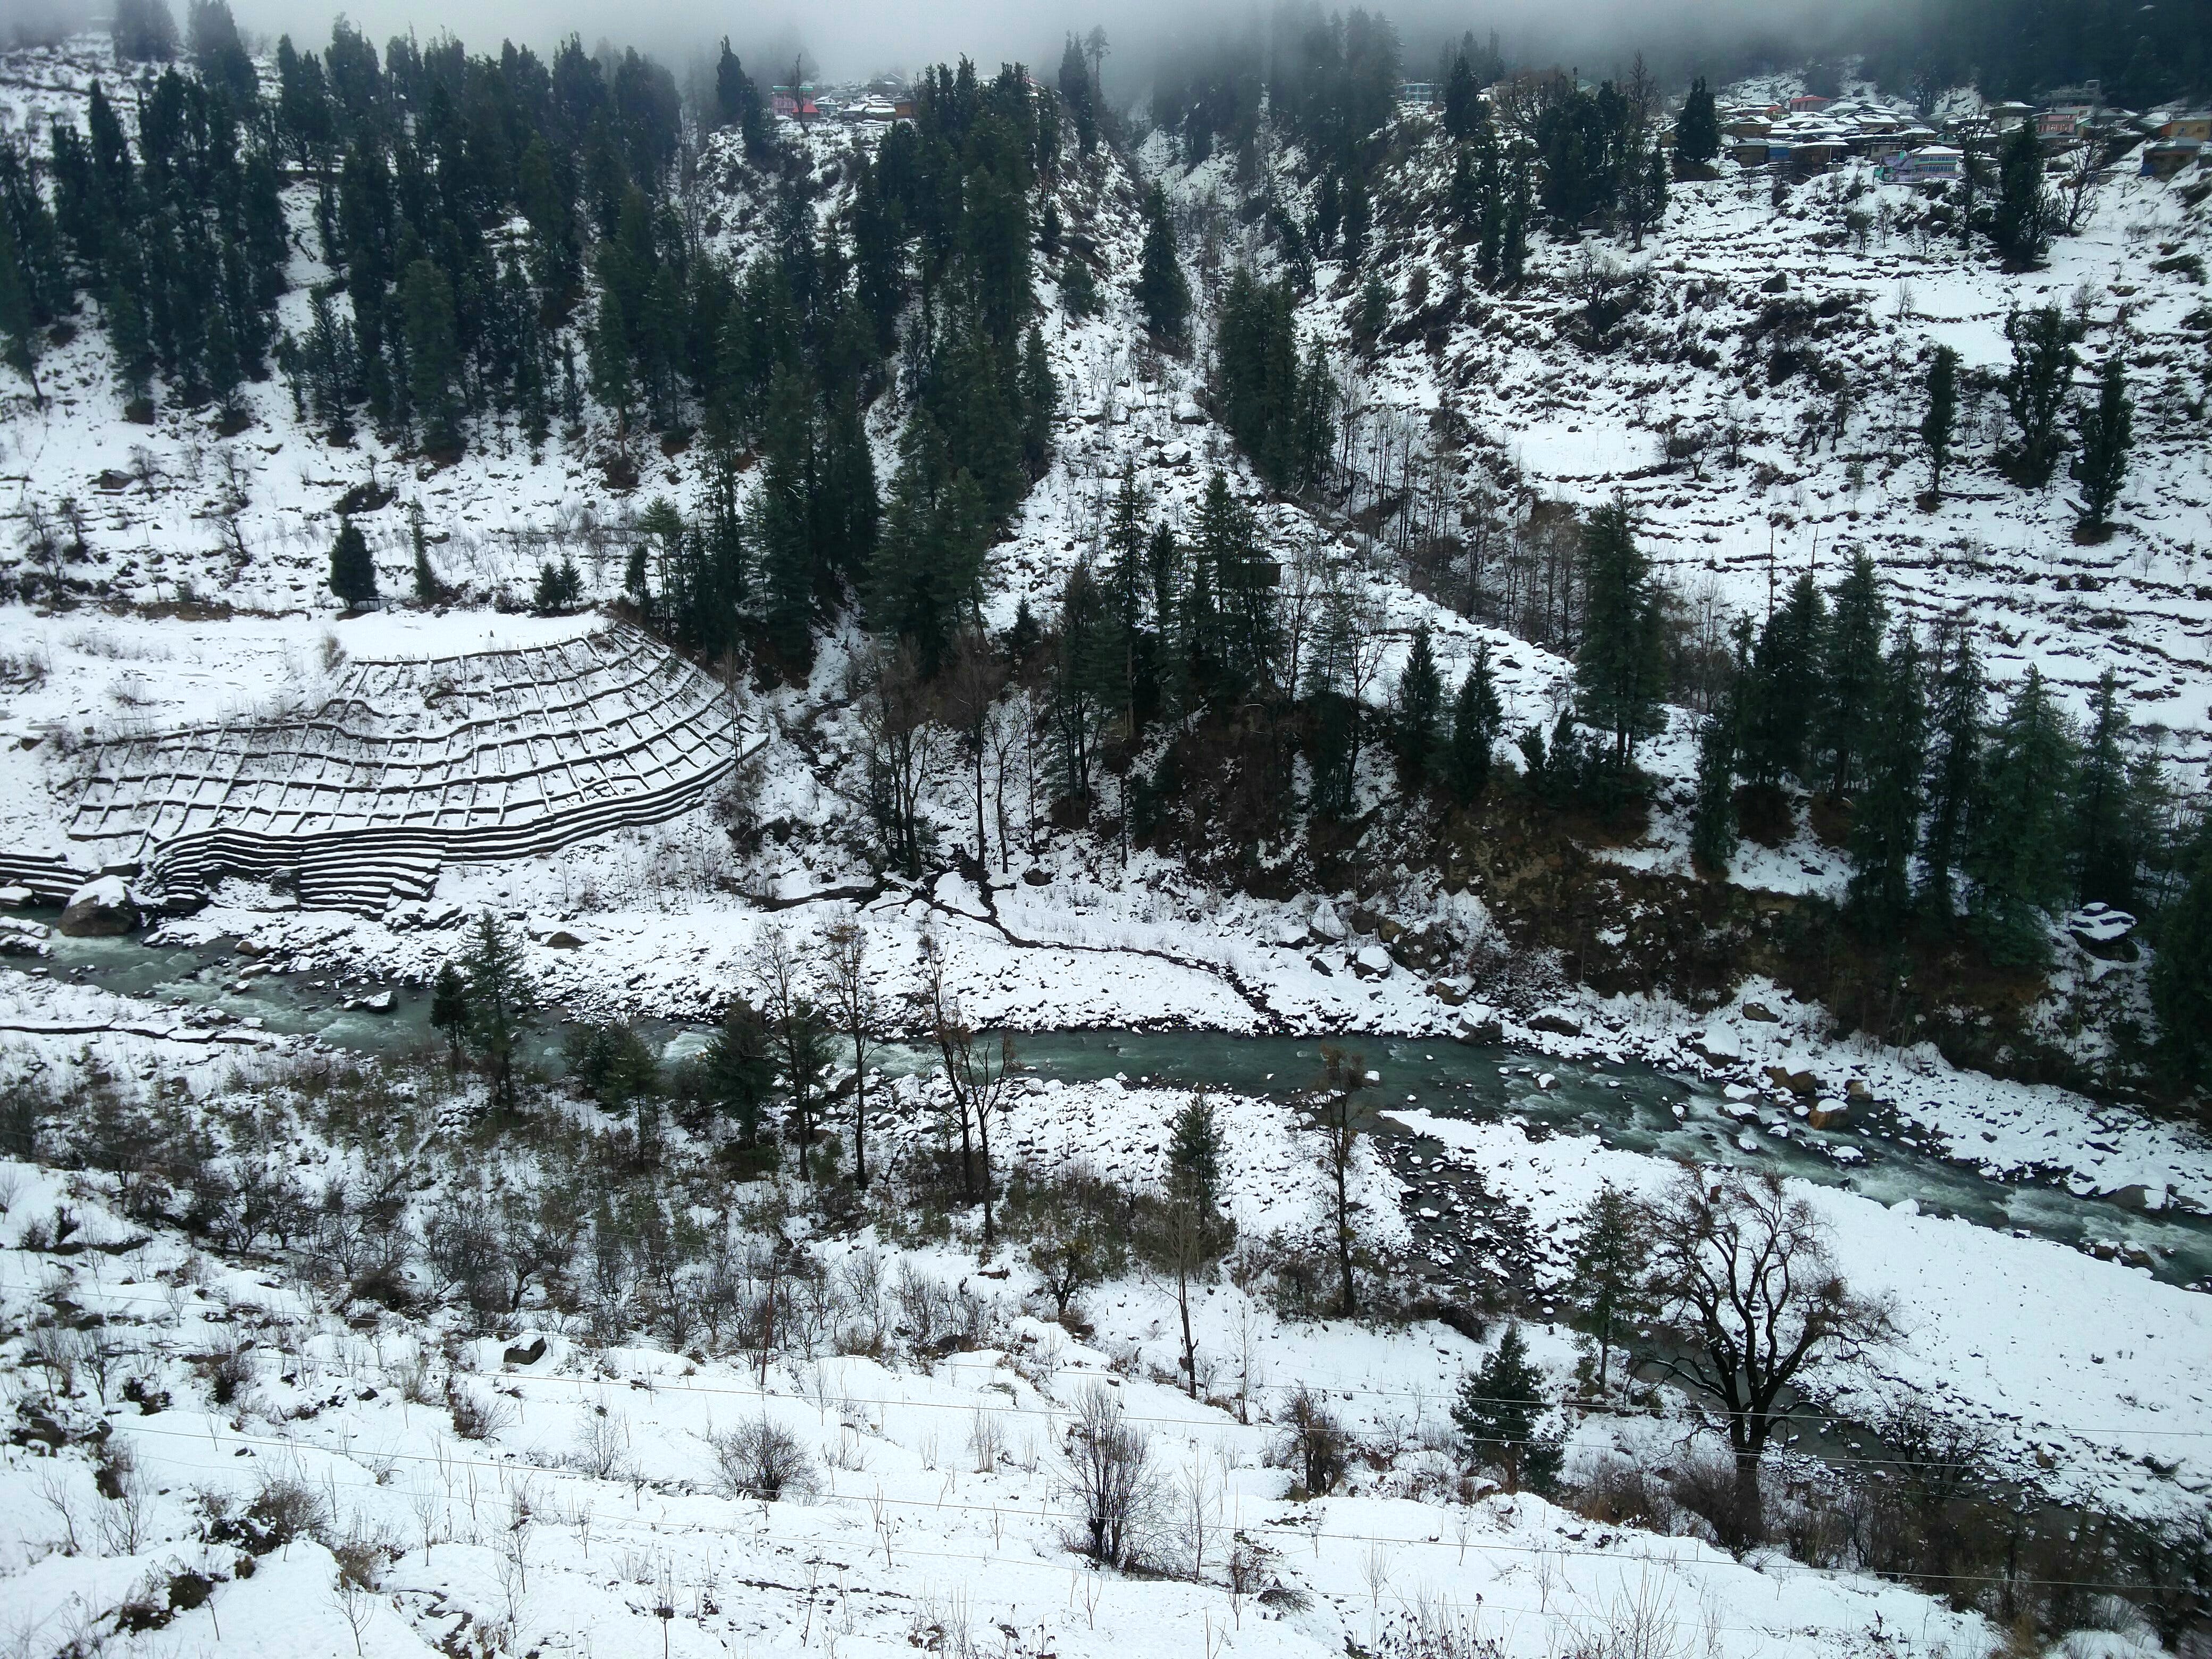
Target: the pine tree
pixel 1942 414
pixel 1477 717
pixel 1712 817
pixel 1463 109
pixel 2019 851
pixel 1162 295
pixel 2036 389
pixel 1610 1267
pixel 1781 693
pixel 353 572
pixel 2181 978
pixel 449 1007
pixel 1620 673
pixel 501 1000
pixel 19 323
pixel 428 590
pixel 1954 773
pixel 1372 314
pixel 1079 288
pixel 2107 841
pixel 1195 1147
pixel 1416 713
pixel 2106 428
pixel 1698 129
pixel 426 306
pixel 1356 212
pixel 736 1069
pixel 2022 224
pixel 1040 402
pixel 1496 1414
pixel 1885 824
pixel 1850 674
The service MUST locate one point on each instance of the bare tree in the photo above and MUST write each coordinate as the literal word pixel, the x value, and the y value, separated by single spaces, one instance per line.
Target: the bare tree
pixel 1108 1472
pixel 972 685
pixel 1336 1115
pixel 853 998
pixel 1748 1292
pixel 979 1072
pixel 800 1031
pixel 893 703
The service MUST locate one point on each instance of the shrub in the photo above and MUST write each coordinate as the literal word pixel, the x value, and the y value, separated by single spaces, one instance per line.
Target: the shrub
pixel 763 1459
pixel 1108 1471
pixel 1315 1444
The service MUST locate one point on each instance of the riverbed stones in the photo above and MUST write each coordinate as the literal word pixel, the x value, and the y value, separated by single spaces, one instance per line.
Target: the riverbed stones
pixel 101 908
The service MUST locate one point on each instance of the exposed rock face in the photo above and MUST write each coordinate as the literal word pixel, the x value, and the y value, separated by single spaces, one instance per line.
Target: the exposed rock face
pixel 99 909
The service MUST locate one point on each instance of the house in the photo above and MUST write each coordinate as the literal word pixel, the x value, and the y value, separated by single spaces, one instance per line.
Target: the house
pixel 2006 116
pixel 1748 152
pixel 1417 94
pixel 2189 123
pixel 1931 164
pixel 2166 157
pixel 1746 126
pixel 794 103
pixel 1808 103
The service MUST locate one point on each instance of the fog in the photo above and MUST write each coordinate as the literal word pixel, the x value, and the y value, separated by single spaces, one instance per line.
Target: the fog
pixel 845 38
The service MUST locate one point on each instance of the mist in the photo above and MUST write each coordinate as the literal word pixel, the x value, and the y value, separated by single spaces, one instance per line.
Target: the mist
pixel 851 39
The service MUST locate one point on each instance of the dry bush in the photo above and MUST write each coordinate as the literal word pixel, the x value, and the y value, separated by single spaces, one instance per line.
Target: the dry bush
pixel 1108 1471
pixel 763 1459
pixel 476 1418
pixel 1315 1446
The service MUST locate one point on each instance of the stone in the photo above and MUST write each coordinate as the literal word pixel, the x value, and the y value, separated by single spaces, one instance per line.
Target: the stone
pixel 1717 1045
pixel 380 1002
pixel 1797 1083
pixel 102 909
pixel 14 894
pixel 1446 992
pixel 1372 962
pixel 1827 1113
pixel 1482 1027
pixel 527 1352
pixel 2136 1196
pixel 562 939
pixel 1557 1024
pixel 1327 927
pixel 1036 878
pixel 1857 1088
pixel 1761 1013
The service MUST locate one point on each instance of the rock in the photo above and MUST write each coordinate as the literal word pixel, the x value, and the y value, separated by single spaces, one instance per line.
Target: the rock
pixel 2137 1255
pixel 1290 934
pixel 1557 1024
pixel 1778 284
pixel 527 1352
pixel 99 909
pixel 1372 962
pixel 254 947
pixel 1828 1114
pixel 1190 414
pixel 1481 1026
pixel 1761 1013
pixel 380 1003
pixel 1798 1083
pixel 1857 1088
pixel 1906 1207
pixel 13 895
pixel 1036 878
pixel 562 939
pixel 1718 1045
pixel 1447 993
pixel 1327 927
pixel 2133 1197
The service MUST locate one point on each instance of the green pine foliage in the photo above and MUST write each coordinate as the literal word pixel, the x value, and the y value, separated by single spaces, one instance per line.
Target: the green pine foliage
pixel 2181 978
pixel 1936 425
pixel 353 572
pixel 1162 294
pixel 1712 817
pixel 1885 822
pixel 1498 1412
pixel 1619 669
pixel 2036 389
pixel 2021 224
pixel 449 1006
pixel 2110 813
pixel 1781 689
pixel 611 1062
pixel 1851 677
pixel 2106 428
pixel 1275 399
pixel 2017 853
pixel 1417 715
pixel 502 1003
pixel 1611 1269
pixel 736 1071
pixel 1698 129
pixel 1958 715
pixel 1477 718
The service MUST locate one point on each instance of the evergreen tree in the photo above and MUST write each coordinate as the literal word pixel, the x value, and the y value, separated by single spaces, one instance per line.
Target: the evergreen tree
pixel 1357 213
pixel 143 30
pixel 1851 675
pixel 1372 313
pixel 1195 1147
pixel 2106 428
pixel 2036 389
pixel 1462 101
pixel 501 1000
pixel 449 1007
pixel 1782 692
pixel 738 103
pixel 425 307
pixel 560 587
pixel 353 572
pixel 1610 1267
pixel 1075 87
pixel 2022 224
pixel 1954 773
pixel 1328 214
pixel 1942 413
pixel 1163 296
pixel 19 325
pixel 1712 819
pixel 737 1072
pixel 2019 851
pixel 1698 129
pixel 1040 397
pixel 1477 718
pixel 1620 671
pixel 1079 288
pixel 1885 824
pixel 2107 830
pixel 2181 978
pixel 1497 1413
pixel 1416 714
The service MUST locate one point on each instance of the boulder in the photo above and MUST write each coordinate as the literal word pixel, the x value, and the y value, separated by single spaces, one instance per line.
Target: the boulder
pixel 1556 1022
pixel 1857 1088
pixel 14 894
pixel 1718 1045
pixel 1481 1026
pixel 528 1351
pixel 1327 927
pixel 1828 1114
pixel 1036 878
pixel 379 1002
pixel 1372 962
pixel 562 939
pixel 102 909
pixel 1797 1083
pixel 1446 992
pixel 1761 1013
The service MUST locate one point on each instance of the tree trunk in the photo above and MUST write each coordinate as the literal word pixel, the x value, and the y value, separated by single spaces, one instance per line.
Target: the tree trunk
pixel 1749 1521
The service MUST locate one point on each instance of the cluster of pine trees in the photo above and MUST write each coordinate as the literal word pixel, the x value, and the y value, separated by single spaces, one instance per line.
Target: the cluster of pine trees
pixel 2010 815
pixel 176 230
